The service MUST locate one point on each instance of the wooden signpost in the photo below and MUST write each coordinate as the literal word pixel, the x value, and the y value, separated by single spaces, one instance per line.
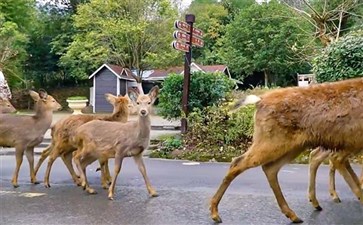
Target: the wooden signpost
pixel 186 36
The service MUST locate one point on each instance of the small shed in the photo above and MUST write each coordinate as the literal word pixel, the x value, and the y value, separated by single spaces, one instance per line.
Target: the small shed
pixel 112 79
pixel 305 79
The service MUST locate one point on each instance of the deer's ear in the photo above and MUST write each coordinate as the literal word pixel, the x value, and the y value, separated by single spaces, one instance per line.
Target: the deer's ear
pixel 153 93
pixel 133 95
pixel 43 94
pixel 110 98
pixel 35 96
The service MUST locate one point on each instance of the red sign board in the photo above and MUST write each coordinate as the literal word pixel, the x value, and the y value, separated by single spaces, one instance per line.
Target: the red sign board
pixel 185 37
pixel 186 27
pixel 180 46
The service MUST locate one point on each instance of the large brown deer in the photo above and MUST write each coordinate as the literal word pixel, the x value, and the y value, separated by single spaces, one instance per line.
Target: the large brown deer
pixel 64 130
pixel 6 106
pixel 102 140
pixel 24 132
pixel 290 120
pixel 317 156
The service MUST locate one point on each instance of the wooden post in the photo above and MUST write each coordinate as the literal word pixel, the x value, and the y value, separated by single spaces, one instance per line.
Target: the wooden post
pixel 190 19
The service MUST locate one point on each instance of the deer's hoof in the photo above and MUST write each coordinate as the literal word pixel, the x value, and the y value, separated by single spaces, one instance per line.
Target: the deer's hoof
pixel 216 219
pixel 91 191
pixel 297 220
pixel 337 200
pixel 46 185
pixel 155 195
pixel 318 208
pixel 36 182
pixel 110 198
pixel 15 185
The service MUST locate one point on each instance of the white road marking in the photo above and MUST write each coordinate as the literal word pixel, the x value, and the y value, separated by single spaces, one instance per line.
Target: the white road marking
pixel 191 163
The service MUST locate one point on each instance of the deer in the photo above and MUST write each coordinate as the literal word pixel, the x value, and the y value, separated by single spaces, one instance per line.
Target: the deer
pixel 103 139
pixel 24 132
pixel 316 157
pixel 6 106
pixel 290 120
pixel 63 131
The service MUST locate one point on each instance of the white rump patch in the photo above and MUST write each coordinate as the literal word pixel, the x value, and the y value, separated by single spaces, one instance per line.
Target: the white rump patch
pixel 251 99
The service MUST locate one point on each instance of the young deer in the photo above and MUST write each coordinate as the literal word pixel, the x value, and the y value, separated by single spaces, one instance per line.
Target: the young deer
pixel 102 140
pixel 6 106
pixel 25 132
pixel 317 156
pixel 290 120
pixel 64 130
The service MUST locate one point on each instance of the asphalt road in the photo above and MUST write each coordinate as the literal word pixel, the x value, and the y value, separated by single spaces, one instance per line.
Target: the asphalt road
pixel 184 193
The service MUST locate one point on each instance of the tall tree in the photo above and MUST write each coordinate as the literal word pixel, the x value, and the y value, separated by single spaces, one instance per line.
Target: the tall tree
pixel 134 34
pixel 262 38
pixel 16 19
pixel 332 18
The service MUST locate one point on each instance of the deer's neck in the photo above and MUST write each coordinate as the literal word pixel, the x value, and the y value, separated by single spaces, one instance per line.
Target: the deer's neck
pixel 43 118
pixel 144 125
pixel 119 116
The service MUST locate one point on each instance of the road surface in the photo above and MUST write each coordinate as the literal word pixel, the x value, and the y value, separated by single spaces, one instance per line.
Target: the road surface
pixel 184 193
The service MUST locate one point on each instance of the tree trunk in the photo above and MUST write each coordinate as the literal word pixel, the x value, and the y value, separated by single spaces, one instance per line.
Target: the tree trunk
pixel 266 73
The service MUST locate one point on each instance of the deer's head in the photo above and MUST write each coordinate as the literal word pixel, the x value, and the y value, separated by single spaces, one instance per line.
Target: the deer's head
pixel 144 102
pixel 120 103
pixel 44 101
pixel 6 106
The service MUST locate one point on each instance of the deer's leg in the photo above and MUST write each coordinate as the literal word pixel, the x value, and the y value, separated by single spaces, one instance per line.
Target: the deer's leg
pixel 104 180
pixel 107 172
pixel 52 157
pixel 43 156
pixel 316 157
pixel 332 189
pixel 140 164
pixel 117 168
pixel 19 152
pixel 29 153
pixel 351 172
pixel 361 179
pixel 341 167
pixel 247 160
pixel 67 159
pixel 271 170
pixel 86 160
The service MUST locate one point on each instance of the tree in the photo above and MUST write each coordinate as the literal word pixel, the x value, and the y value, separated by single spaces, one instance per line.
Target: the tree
pixel 133 34
pixel 210 17
pixel 263 38
pixel 341 60
pixel 16 19
pixel 332 18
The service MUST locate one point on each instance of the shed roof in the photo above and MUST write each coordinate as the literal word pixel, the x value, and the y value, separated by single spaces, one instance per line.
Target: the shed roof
pixel 120 72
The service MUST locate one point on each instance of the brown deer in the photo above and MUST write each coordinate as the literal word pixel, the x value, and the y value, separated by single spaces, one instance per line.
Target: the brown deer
pixel 24 132
pixel 289 120
pixel 6 106
pixel 64 129
pixel 317 156
pixel 102 140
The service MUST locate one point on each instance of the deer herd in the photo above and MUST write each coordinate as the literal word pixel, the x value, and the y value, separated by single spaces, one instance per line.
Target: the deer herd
pixel 287 121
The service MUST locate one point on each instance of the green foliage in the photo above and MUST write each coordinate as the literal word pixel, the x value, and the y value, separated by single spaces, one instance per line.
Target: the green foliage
pixel 77 98
pixel 214 133
pixel 206 89
pixel 16 20
pixel 166 147
pixel 341 60
pixel 263 38
pixel 134 34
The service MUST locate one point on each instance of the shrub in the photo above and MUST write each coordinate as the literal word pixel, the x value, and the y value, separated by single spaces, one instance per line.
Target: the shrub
pixel 214 133
pixel 206 89
pixel 341 60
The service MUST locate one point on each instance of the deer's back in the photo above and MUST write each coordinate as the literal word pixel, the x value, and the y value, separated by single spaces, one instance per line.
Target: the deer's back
pixel 329 115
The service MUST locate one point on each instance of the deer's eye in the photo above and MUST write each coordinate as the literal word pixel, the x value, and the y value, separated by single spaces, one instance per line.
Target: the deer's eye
pixel 138 103
pixel 149 103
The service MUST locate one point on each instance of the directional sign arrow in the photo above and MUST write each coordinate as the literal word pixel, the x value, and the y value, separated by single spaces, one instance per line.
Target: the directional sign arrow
pixel 180 46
